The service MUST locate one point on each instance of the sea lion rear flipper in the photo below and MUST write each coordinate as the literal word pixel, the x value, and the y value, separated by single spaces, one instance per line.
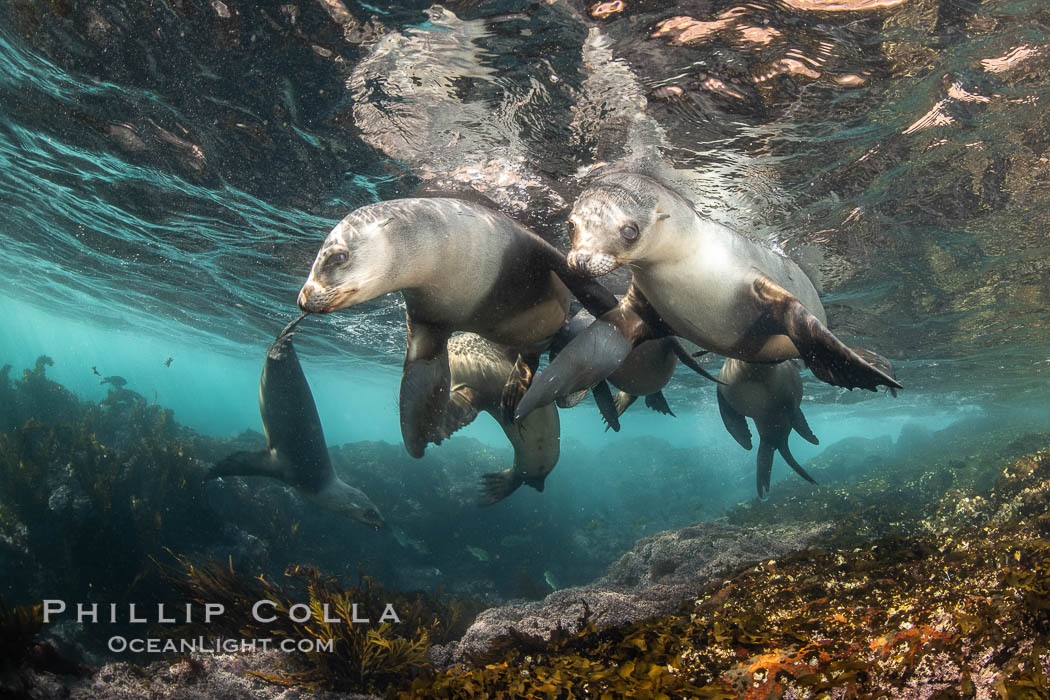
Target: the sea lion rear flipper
pixel 424 387
pixel 786 454
pixel 590 357
pixel 496 486
pixel 801 426
pixel 257 463
pixel 880 362
pixel 686 359
pixel 518 382
pixel 606 405
pixel 623 401
pixel 827 356
pixel 658 402
pixel 460 411
pixel 734 422
pixel 572 399
pixel 763 467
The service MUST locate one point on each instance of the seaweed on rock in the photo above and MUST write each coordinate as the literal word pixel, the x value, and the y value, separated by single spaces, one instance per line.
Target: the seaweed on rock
pixel 960 607
pixel 364 656
pixel 19 627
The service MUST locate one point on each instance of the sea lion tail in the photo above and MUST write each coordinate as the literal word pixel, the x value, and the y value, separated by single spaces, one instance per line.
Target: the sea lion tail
pixel 790 459
pixel 496 486
pixel 589 358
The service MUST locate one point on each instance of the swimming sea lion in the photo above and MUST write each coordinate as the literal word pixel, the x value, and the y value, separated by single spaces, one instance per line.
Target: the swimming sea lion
pixel 295 448
pixel 460 267
pixel 695 278
pixel 771 394
pixel 645 372
pixel 478 370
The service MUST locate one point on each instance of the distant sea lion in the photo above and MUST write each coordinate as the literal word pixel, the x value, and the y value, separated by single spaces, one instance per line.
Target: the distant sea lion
pixel 695 278
pixel 771 394
pixel 460 267
pixel 479 369
pixel 296 452
pixel 645 372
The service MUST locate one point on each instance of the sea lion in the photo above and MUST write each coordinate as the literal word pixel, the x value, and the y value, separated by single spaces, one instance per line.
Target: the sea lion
pixel 645 372
pixel 478 370
pixel 460 266
pixel 295 448
pixel 771 394
pixel 694 278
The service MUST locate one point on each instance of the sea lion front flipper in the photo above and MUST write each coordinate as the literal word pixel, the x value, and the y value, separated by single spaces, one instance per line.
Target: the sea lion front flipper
pixel 786 454
pixel 658 402
pixel 686 359
pixel 424 387
pixel 827 356
pixel 879 361
pixel 801 426
pixel 591 356
pixel 734 422
pixel 518 382
pixel 496 486
pixel 606 405
pixel 249 463
pixel 460 411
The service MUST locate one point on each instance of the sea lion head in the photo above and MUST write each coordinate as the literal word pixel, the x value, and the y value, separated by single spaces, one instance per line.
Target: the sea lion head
pixel 339 497
pixel 613 221
pixel 356 262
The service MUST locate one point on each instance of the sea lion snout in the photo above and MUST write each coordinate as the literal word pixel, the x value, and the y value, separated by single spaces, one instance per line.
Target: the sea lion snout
pixel 316 299
pixel 592 264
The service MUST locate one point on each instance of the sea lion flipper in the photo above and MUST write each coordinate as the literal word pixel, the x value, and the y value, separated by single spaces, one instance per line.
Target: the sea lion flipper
pixel 496 486
pixel 606 405
pixel 424 388
pixel 877 360
pixel 686 359
pixel 250 463
pixel 763 467
pixel 790 459
pixel 827 356
pixel 658 402
pixel 623 401
pixel 572 399
pixel 460 411
pixel 734 422
pixel 801 426
pixel 518 382
pixel 591 357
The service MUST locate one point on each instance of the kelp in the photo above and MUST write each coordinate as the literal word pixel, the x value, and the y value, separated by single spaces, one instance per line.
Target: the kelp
pixel 934 613
pixel 19 627
pixel 364 656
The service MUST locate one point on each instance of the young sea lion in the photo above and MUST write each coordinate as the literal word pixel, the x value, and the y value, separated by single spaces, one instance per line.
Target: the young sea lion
pixel 295 448
pixel 478 370
pixel 695 278
pixel 771 394
pixel 460 267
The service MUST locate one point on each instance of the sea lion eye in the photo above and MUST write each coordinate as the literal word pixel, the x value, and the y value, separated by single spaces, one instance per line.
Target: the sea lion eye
pixel 630 232
pixel 338 258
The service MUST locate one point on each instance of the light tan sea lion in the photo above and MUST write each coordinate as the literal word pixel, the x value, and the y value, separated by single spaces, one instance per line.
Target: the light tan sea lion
pixel 771 394
pixel 479 370
pixel 460 266
pixel 694 278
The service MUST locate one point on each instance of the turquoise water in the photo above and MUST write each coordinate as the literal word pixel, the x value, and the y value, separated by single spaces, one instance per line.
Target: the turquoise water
pixel 168 173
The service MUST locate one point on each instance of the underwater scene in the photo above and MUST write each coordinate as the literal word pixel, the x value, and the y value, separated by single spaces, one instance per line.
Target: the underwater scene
pixel 525 349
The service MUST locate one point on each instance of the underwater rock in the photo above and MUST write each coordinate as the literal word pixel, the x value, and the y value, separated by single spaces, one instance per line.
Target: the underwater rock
pixel 651 580
pixel 204 677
